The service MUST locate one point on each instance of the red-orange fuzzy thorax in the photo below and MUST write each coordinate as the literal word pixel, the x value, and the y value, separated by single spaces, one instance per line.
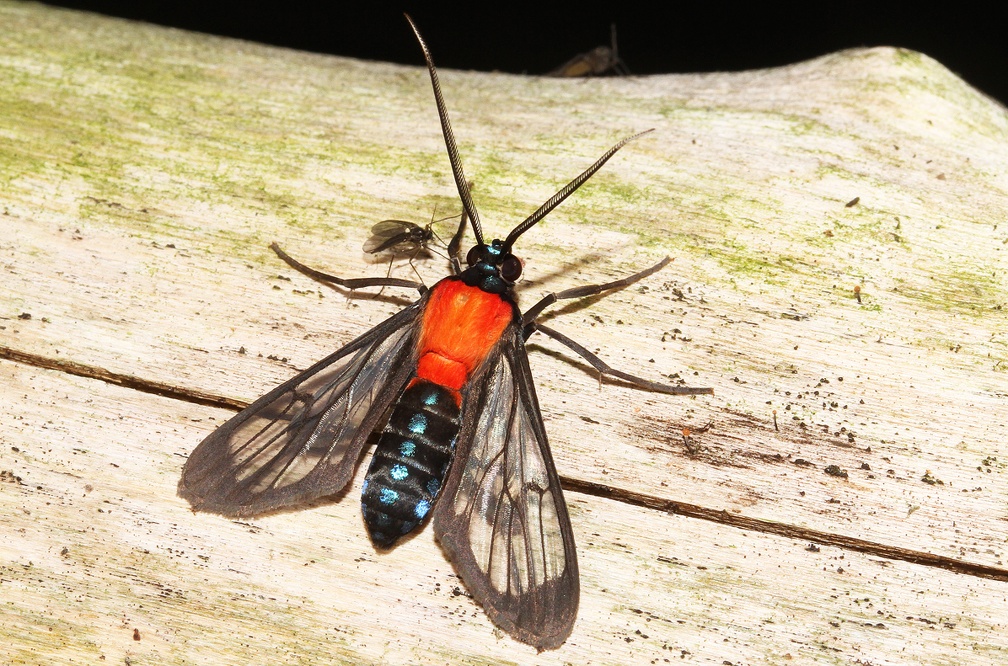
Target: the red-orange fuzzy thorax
pixel 460 326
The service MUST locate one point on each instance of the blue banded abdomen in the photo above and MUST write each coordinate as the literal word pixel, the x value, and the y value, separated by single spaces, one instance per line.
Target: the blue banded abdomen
pixel 410 462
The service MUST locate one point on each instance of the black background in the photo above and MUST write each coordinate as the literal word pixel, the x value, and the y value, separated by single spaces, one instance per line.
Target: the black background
pixel 676 37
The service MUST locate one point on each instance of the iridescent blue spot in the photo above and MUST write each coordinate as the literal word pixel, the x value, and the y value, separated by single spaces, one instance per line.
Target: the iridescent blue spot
pixel 399 472
pixel 364 487
pixel 374 518
pixel 418 423
pixel 387 496
pixel 430 398
pixel 433 486
pixel 407 449
pixel 421 509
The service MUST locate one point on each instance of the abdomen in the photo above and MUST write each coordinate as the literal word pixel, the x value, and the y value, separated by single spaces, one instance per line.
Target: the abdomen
pixel 410 462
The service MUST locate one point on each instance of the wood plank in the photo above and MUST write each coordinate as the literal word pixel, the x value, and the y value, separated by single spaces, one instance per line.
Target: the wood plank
pixel 98 547
pixel 145 171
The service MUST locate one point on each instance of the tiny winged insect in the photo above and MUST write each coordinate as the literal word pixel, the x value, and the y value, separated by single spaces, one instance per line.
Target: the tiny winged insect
pixel 396 236
pixel 400 237
pixel 462 441
pixel 600 61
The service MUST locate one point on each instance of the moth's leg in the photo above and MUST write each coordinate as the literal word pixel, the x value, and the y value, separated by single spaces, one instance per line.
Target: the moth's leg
pixel 456 244
pixel 589 290
pixel 605 369
pixel 530 327
pixel 352 283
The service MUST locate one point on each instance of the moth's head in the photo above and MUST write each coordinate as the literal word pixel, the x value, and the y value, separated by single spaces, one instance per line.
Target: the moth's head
pixel 492 267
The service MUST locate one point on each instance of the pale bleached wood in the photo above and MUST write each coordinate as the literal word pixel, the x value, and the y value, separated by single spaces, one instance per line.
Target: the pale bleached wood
pixel 145 171
pixel 97 546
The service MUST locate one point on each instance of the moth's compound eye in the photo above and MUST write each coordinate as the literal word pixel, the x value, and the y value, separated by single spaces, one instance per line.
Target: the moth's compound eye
pixel 511 268
pixel 474 255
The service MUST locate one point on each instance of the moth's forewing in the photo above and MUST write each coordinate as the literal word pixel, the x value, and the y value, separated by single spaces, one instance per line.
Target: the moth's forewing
pixel 302 440
pixel 502 517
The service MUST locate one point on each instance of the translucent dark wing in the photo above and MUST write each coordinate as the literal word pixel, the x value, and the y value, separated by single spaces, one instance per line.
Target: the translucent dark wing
pixel 396 235
pixel 501 516
pixel 302 439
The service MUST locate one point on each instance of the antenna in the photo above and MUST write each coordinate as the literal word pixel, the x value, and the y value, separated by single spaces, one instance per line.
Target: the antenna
pixel 449 138
pixel 566 191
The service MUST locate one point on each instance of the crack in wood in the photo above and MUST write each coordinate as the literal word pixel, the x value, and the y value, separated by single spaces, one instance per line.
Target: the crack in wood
pixel 630 497
pixel 120 379
pixel 724 517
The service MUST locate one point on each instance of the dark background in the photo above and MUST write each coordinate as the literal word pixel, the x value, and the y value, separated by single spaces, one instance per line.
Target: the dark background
pixel 677 37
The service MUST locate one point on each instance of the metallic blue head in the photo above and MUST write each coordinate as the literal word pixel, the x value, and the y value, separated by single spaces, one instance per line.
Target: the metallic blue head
pixel 492 268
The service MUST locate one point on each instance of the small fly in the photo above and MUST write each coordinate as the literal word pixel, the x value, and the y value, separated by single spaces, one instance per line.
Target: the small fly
pixel 462 443
pixel 396 238
pixel 600 61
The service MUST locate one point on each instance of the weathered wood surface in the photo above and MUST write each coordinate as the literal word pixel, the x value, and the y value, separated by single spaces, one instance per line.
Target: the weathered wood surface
pixel 143 172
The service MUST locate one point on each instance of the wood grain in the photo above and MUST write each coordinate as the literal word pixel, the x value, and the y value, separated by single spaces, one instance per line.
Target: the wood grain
pixel 144 172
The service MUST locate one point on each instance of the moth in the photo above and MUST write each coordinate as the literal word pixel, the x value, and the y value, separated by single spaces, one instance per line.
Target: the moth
pixel 462 441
